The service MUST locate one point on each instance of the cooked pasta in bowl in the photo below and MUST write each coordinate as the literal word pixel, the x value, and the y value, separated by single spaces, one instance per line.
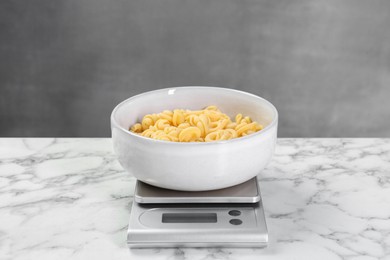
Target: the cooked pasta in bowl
pixel 205 125
pixel 194 138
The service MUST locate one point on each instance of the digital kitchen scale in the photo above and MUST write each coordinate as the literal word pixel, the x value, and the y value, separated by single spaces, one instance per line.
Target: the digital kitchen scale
pixel 230 217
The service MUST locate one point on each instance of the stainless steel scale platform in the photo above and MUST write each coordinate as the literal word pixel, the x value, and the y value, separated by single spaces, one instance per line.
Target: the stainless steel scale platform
pixel 230 217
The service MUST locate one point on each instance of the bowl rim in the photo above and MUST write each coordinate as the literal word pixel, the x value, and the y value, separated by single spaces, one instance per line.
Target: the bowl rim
pixel 151 140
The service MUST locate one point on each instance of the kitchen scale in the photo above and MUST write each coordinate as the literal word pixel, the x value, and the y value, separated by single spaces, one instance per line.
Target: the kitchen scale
pixel 230 217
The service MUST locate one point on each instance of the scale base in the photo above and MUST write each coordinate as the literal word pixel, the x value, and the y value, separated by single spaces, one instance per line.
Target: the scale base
pixel 211 226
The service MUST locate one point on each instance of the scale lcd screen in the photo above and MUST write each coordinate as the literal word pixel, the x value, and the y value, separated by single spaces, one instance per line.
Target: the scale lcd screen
pixel 189 218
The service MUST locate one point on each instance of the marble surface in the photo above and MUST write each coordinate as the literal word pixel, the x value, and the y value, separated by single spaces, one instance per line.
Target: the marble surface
pixel 70 199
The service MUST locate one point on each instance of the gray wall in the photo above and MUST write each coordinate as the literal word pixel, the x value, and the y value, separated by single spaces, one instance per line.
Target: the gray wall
pixel 324 64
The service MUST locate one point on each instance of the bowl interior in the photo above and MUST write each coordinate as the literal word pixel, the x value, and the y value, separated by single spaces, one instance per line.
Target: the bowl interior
pixel 229 101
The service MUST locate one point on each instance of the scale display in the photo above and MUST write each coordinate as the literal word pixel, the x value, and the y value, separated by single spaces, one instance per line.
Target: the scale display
pixel 189 218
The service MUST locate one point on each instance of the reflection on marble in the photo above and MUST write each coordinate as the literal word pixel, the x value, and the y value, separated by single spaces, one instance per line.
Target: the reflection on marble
pixel 70 199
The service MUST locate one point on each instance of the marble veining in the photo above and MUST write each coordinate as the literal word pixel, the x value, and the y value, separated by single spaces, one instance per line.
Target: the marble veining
pixel 69 198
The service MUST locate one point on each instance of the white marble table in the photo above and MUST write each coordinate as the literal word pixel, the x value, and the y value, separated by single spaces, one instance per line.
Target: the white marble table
pixel 70 199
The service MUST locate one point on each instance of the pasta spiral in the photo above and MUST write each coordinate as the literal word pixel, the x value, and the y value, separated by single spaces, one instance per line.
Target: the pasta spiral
pixel 207 125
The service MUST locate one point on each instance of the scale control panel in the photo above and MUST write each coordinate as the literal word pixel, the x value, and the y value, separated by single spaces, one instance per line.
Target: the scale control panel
pixel 198 218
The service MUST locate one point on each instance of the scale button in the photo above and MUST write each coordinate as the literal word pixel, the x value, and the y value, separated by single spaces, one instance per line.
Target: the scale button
pixel 235 221
pixel 234 212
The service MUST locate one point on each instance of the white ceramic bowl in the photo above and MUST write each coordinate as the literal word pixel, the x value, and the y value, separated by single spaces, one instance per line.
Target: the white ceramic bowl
pixel 194 166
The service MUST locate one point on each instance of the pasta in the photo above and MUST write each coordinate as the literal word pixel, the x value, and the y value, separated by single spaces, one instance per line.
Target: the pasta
pixel 207 125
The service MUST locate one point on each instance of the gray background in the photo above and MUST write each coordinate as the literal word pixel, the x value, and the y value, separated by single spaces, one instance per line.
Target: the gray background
pixel 324 64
